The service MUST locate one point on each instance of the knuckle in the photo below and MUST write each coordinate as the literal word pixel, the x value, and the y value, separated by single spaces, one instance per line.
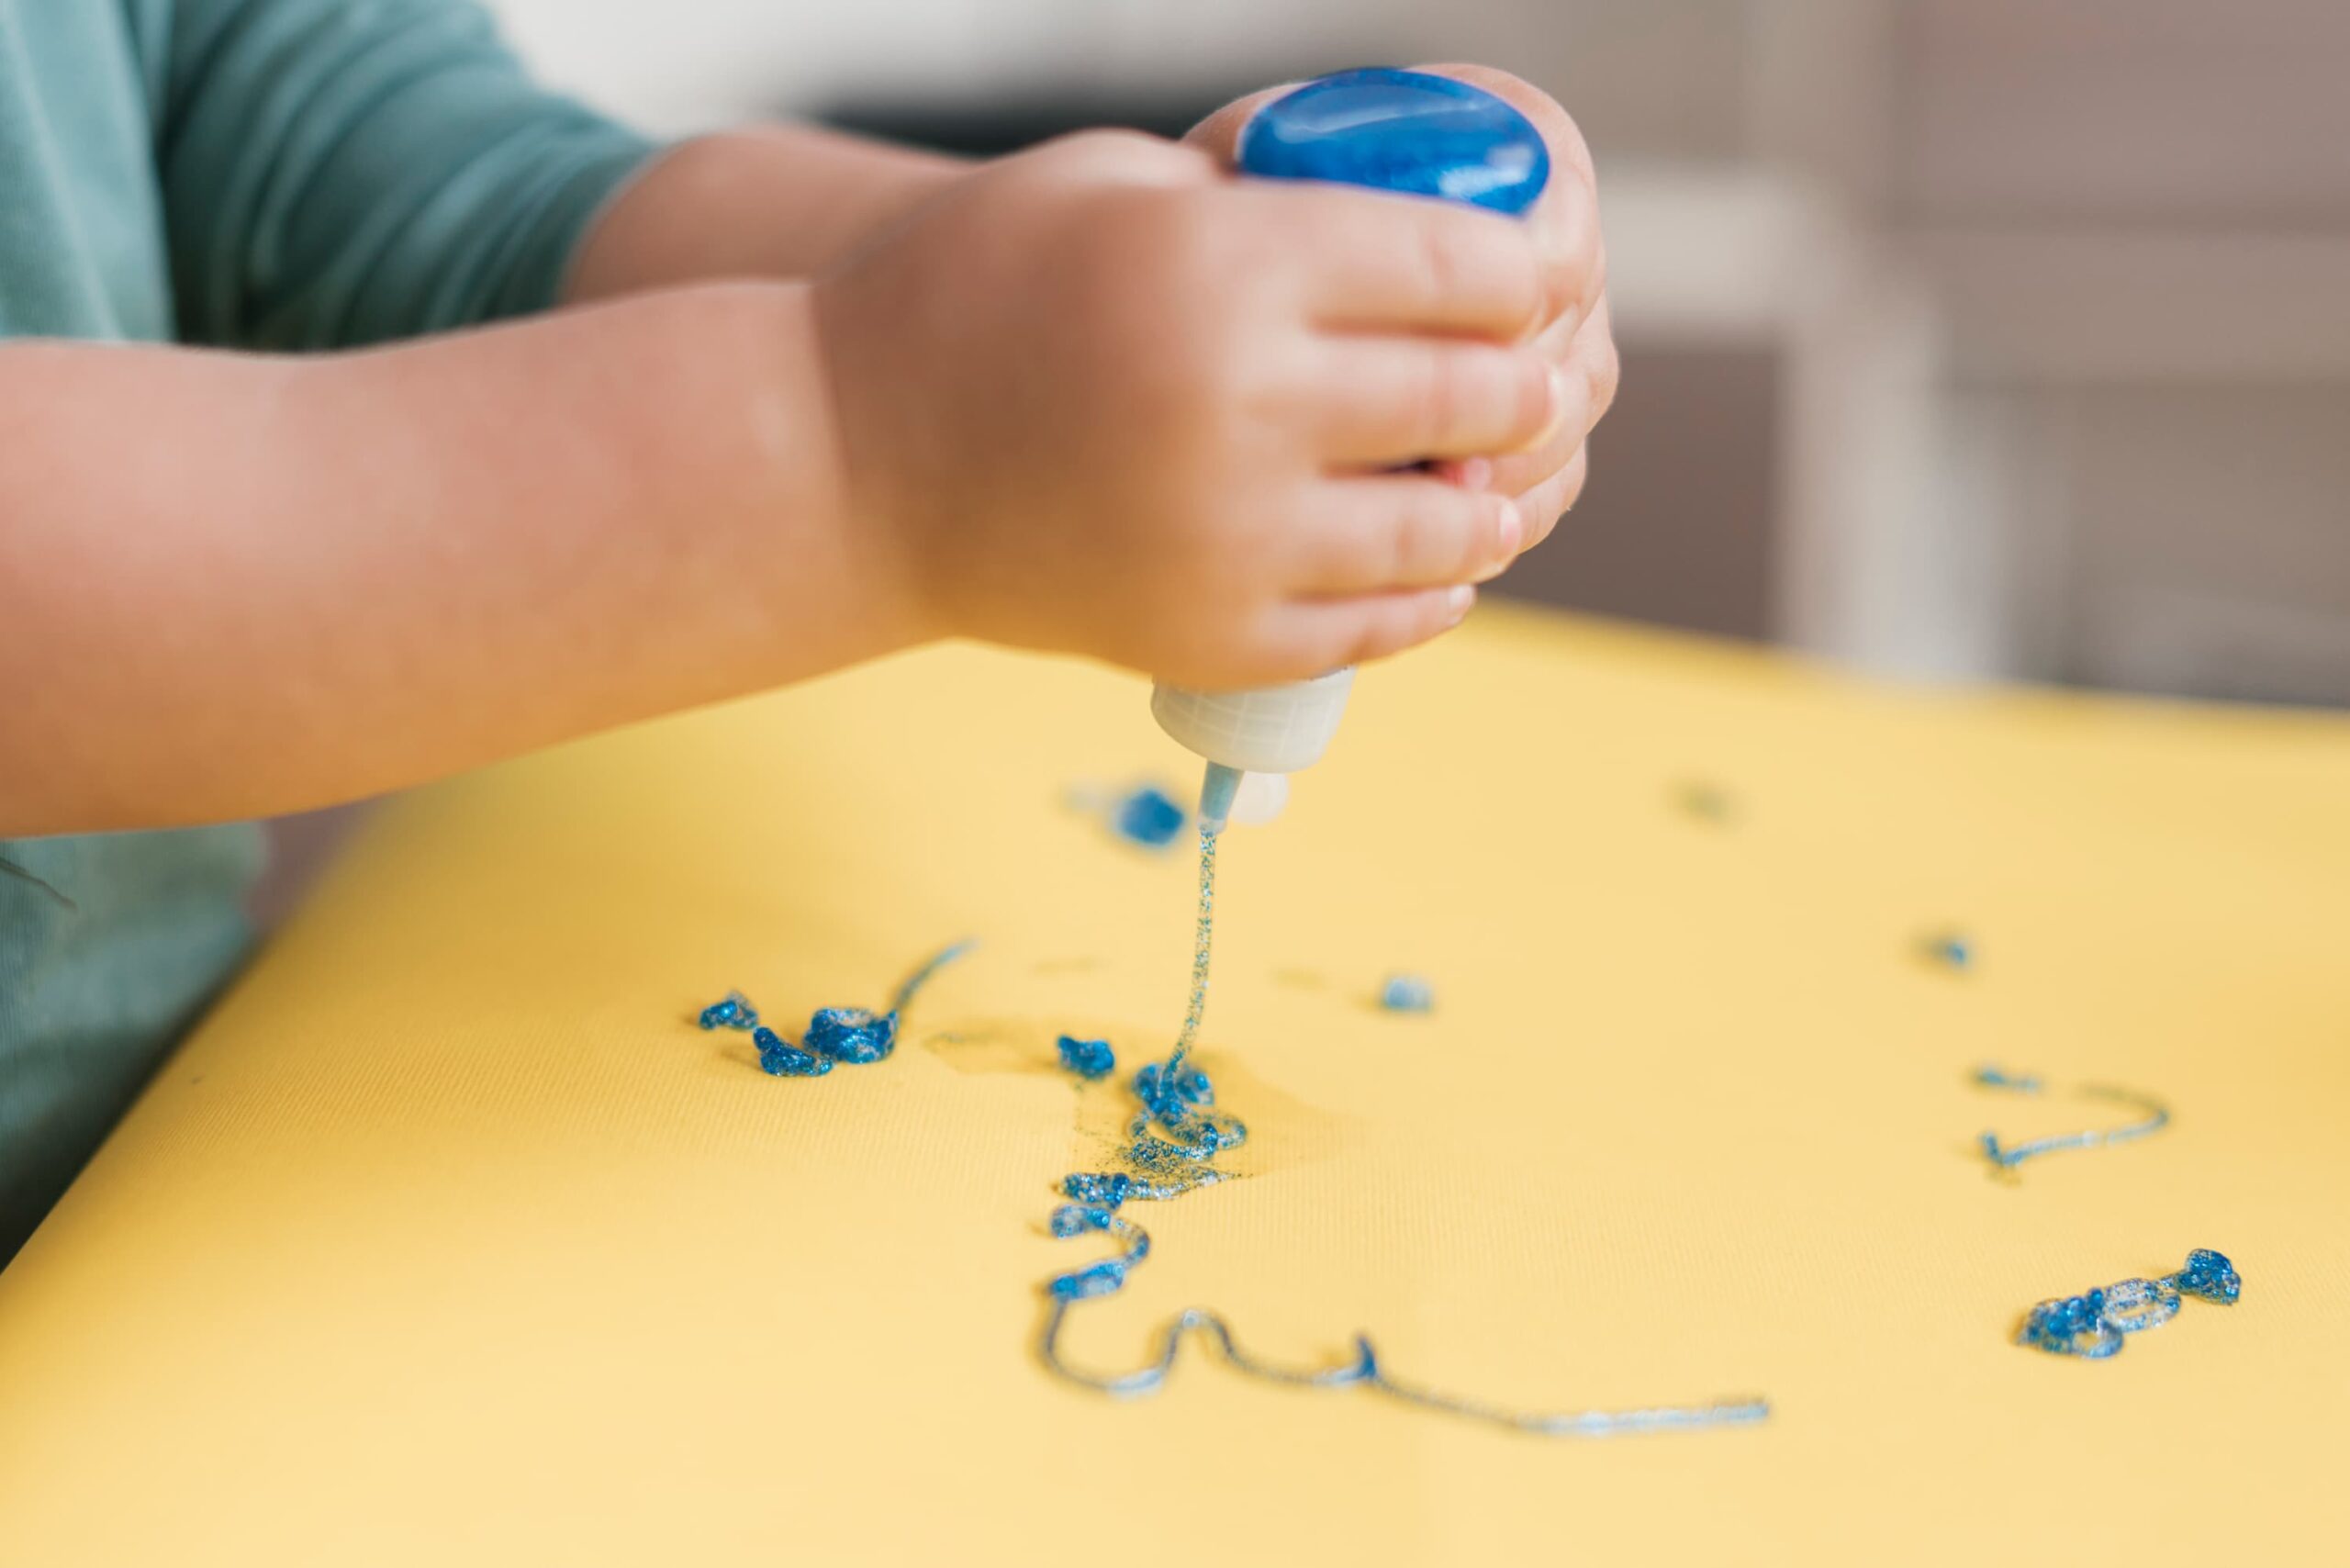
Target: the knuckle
pixel 1606 375
pixel 1443 257
pixel 1435 404
pixel 1371 636
pixel 1440 533
pixel 1571 483
pixel 1533 388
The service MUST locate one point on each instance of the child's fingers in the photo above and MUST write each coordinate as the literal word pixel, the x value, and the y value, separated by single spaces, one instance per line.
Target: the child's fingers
pixel 1380 535
pixel 1311 637
pixel 1542 506
pixel 1588 372
pixel 1385 401
pixel 1378 261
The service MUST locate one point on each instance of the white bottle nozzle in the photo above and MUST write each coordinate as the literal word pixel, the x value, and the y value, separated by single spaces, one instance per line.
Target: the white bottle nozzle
pixel 1275 729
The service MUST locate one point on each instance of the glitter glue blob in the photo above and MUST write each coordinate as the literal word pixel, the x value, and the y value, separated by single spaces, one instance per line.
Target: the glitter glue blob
pixel 2091 1325
pixel 778 1057
pixel 1148 816
pixel 1952 949
pixel 733 1012
pixel 1109 1191
pixel 1088 1059
pixel 1407 993
pixel 854 1036
pixel 2007 1157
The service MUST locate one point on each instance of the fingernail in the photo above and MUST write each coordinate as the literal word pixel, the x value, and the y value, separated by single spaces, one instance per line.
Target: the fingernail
pixel 1511 530
pixel 1457 602
pixel 1509 539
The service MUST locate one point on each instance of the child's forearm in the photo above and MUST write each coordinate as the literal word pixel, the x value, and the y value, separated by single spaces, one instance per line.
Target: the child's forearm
pixel 232 586
pixel 763 201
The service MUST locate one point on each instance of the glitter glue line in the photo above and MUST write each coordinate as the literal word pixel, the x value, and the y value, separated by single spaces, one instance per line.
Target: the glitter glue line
pixel 1365 1371
pixel 2092 1324
pixel 1202 935
pixel 2007 1157
pixel 1177 1132
pixel 930 966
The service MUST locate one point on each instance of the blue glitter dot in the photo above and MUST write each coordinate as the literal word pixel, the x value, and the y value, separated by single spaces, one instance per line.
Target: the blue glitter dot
pixel 1951 948
pixel 1148 816
pixel 1407 993
pixel 781 1059
pixel 1088 1059
pixel 1076 1219
pixel 2209 1275
pixel 1106 1190
pixel 1093 1280
pixel 852 1035
pixel 735 1012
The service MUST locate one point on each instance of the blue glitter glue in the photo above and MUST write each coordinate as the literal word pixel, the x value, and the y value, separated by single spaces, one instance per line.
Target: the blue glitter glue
pixel 1088 1059
pixel 1076 1219
pixel 1106 1190
pixel 1407 993
pixel 2091 1326
pixel 735 1012
pixel 1952 949
pixel 1175 1097
pixel 1095 1279
pixel 855 1036
pixel 1148 816
pixel 2007 1157
pixel 2211 1276
pixel 1106 1277
pixel 1177 1126
pixel 780 1057
pixel 852 1035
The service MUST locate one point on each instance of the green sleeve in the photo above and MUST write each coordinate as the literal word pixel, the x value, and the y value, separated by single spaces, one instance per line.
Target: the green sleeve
pixel 342 171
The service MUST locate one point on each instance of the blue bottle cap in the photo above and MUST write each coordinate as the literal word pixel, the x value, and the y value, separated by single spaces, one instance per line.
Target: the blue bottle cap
pixel 1401 130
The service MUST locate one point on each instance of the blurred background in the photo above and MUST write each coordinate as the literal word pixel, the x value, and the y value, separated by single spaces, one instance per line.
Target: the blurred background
pixel 1963 338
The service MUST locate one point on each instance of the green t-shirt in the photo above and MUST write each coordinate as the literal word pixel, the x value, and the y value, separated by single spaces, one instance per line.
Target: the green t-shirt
pixel 288 175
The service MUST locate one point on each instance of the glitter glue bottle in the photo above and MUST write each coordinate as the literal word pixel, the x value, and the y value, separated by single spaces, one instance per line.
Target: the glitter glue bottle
pixel 1392 130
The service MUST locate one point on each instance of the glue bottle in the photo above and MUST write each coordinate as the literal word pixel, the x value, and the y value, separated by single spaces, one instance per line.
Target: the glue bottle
pixel 1395 130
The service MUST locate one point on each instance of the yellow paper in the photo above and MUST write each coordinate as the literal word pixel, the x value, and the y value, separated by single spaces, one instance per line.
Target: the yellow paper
pixel 449 1239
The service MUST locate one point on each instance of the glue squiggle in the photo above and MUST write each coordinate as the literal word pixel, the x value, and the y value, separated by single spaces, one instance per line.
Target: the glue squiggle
pixel 1174 1137
pixel 1365 1371
pixel 2007 1157
pixel 2091 1325
pixel 836 1034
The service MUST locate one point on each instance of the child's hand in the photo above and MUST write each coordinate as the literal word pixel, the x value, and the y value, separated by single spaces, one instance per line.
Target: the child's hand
pixel 1573 331
pixel 1105 396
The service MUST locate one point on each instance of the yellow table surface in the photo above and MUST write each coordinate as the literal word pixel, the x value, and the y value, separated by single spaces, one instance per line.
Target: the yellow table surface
pixel 449 1238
